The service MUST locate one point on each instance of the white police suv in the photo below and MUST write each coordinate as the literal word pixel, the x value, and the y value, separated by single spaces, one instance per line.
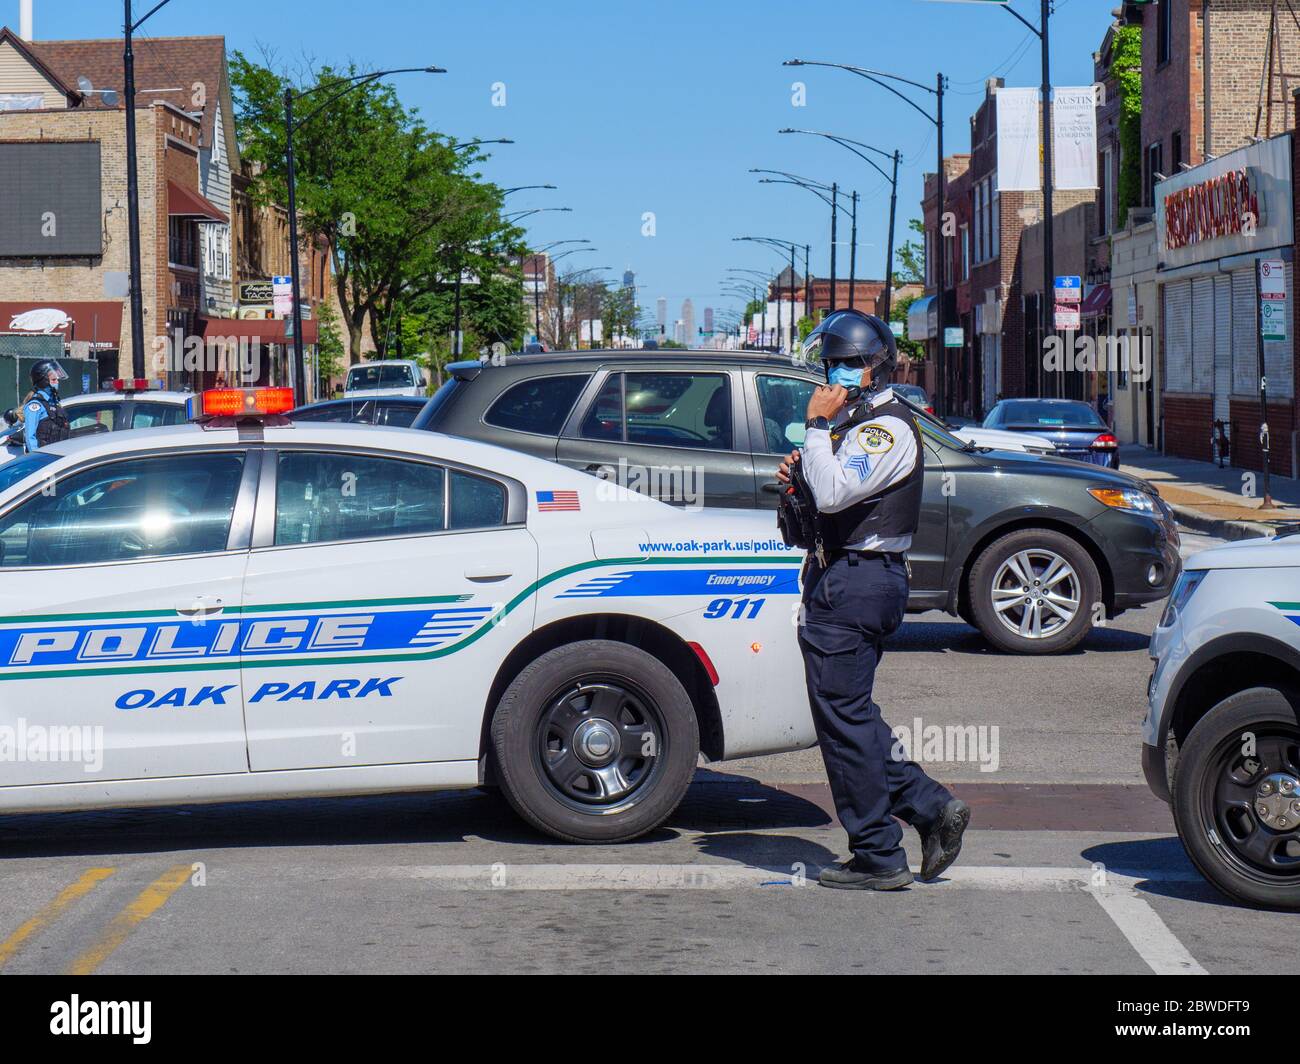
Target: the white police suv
pixel 246 608
pixel 1222 732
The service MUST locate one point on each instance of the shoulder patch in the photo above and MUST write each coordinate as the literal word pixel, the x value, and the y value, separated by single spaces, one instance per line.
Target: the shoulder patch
pixel 874 438
pixel 35 407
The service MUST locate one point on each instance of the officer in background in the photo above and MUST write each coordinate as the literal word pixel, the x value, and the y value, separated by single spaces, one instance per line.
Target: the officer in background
pixel 863 463
pixel 44 420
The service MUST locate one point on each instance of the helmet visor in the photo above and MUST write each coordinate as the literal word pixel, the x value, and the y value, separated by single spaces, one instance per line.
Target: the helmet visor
pixel 52 367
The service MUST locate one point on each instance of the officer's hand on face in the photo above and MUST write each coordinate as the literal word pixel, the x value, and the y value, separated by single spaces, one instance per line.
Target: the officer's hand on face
pixel 826 401
pixel 783 470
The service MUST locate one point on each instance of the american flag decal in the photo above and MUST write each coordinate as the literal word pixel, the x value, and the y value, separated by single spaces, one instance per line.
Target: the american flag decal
pixel 551 501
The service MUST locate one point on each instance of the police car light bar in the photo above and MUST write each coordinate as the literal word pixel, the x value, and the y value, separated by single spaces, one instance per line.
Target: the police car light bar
pixel 241 402
pixel 137 384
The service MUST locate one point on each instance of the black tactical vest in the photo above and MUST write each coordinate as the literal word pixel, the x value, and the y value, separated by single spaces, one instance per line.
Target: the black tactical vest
pixel 896 511
pixel 54 426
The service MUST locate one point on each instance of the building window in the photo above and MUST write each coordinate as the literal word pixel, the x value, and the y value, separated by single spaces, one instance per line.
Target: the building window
pixel 1164 29
pixel 1175 151
pixel 1105 192
pixel 965 252
pixel 995 219
pixel 1155 167
pixel 929 259
pixel 979 222
pixel 181 249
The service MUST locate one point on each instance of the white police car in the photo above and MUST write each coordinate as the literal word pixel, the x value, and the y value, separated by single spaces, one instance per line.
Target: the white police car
pixel 1222 732
pixel 246 608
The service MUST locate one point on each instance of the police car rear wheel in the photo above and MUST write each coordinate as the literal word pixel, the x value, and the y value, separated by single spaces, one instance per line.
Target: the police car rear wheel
pixel 1033 592
pixel 595 742
pixel 1236 797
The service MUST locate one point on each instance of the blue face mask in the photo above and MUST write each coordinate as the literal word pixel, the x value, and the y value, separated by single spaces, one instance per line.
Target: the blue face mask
pixel 846 376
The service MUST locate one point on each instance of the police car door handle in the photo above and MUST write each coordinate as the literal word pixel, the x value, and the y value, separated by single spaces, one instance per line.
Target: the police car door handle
pixel 487 574
pixel 200 608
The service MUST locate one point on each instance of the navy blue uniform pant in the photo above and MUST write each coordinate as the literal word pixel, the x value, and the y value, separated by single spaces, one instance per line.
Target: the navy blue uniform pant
pixel 849 608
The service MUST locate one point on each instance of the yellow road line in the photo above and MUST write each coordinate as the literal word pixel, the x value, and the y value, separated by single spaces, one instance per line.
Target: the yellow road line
pixel 88 881
pixel 146 903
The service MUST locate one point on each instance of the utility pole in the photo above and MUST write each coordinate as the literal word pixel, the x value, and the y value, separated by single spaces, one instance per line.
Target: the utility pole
pixel 941 276
pixel 1049 269
pixel 133 201
pixel 853 251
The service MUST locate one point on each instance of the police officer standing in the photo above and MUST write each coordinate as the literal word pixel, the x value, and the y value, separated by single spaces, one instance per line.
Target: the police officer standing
pixel 44 419
pixel 862 463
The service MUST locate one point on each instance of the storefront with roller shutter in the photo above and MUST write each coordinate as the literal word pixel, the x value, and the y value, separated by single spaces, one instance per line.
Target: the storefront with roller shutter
pixel 1214 224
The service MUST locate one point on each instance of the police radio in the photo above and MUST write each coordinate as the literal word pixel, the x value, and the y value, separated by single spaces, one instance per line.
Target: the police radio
pixel 796 515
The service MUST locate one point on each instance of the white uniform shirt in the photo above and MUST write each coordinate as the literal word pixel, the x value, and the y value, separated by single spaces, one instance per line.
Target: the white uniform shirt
pixel 876 454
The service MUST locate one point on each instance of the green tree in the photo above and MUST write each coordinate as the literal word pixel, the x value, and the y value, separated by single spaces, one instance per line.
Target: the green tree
pixel 909 257
pixel 399 208
pixel 913 349
pixel 329 346
pixel 1126 62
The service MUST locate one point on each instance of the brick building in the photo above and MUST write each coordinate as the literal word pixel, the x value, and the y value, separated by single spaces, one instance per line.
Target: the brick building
pixel 206 267
pixel 1215 77
pixel 171 210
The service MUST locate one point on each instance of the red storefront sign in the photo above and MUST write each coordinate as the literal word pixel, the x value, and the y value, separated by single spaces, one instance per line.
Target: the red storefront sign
pixel 1220 206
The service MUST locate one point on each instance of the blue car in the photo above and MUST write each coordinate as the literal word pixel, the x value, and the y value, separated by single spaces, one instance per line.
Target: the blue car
pixel 1075 429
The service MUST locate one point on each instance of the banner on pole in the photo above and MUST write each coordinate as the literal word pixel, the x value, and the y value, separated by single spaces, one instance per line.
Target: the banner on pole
pixel 1019 150
pixel 1074 120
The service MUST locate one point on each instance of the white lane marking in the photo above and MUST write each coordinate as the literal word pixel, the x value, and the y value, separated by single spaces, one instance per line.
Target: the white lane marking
pixel 1115 892
pixel 1146 932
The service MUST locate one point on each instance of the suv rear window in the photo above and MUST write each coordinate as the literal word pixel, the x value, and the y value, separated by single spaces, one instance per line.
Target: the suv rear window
pixel 539 405
pixel 380 377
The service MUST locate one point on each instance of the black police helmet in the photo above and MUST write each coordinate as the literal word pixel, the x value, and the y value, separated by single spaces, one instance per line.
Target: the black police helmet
pixel 41 372
pixel 851 336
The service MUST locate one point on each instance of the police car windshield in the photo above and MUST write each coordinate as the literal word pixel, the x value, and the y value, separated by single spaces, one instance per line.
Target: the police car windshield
pixel 21 468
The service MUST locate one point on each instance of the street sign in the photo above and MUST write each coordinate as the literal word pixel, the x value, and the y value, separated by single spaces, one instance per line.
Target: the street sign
pixel 1272 279
pixel 953 336
pixel 1067 316
pixel 282 293
pixel 1272 319
pixel 1069 289
pixel 896 327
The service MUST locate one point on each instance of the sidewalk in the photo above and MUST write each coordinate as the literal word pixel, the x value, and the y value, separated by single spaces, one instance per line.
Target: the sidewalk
pixel 1213 500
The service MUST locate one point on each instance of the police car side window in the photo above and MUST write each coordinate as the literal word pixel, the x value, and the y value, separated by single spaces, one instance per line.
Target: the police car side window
pixel 783 402
pixel 327 498
pixel 541 404
pixel 121 511
pixel 151 415
pixel 476 502
pixel 85 418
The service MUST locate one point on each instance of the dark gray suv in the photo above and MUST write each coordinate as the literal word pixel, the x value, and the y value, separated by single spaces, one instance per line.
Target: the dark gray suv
pixel 1032 551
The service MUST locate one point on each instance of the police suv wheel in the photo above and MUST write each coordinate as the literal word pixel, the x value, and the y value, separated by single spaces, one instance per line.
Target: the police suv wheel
pixel 1236 797
pixel 1034 592
pixel 595 742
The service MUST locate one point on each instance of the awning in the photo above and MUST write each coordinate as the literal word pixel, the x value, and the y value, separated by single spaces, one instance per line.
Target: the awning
pixel 183 203
pixel 265 330
pixel 100 324
pixel 1096 301
pixel 923 318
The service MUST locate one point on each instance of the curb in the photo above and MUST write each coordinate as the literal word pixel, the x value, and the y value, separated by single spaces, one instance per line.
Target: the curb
pixel 1221 527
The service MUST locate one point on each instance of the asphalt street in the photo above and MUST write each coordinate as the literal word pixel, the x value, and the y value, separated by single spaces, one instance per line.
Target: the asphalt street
pixel 1070 866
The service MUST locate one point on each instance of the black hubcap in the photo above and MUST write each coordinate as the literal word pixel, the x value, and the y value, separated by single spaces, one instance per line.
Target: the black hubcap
pixel 1253 806
pixel 599 743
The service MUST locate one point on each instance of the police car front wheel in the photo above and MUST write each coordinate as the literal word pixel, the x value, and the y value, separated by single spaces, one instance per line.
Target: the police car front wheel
pixel 1236 797
pixel 595 742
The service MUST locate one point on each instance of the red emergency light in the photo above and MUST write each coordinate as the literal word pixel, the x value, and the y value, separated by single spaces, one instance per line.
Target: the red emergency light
pixel 136 384
pixel 243 402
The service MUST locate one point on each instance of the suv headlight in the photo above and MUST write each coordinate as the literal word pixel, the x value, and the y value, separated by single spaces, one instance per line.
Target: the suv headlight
pixel 1128 499
pixel 1188 581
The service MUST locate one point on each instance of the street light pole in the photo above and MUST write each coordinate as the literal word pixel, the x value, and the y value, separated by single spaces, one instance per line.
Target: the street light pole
pixel 835 214
pixel 936 119
pixel 941 352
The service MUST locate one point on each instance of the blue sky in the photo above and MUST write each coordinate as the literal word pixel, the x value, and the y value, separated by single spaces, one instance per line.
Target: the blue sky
pixel 632 106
